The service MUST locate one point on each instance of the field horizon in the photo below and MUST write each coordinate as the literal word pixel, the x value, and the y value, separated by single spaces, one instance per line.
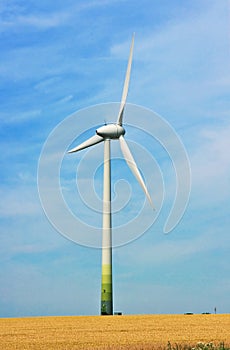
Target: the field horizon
pixel 113 332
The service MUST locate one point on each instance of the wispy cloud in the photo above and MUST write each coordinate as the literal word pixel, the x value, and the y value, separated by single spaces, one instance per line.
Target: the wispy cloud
pixel 36 21
pixel 20 16
pixel 19 117
pixel 211 165
pixel 19 201
pixel 185 60
pixel 170 249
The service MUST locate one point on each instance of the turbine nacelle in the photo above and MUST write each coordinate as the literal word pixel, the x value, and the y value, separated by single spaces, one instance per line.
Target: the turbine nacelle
pixel 110 131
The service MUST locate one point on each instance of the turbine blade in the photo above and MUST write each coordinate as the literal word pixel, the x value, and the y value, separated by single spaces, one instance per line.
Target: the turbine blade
pixel 132 165
pixel 126 85
pixel 90 142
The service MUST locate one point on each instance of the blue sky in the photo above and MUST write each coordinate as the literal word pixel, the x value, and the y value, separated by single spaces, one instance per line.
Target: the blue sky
pixel 59 57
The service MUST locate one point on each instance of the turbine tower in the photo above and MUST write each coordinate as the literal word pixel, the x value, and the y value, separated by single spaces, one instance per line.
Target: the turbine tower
pixel 107 133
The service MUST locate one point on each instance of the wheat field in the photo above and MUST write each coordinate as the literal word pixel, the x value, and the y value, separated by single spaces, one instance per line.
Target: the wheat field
pixel 112 332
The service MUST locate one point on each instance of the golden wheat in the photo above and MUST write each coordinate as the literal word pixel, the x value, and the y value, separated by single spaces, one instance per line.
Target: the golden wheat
pixel 112 332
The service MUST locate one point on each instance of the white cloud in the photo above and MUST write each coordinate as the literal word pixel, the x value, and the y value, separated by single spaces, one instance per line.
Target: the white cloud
pixel 21 201
pixel 52 20
pixel 157 250
pixel 186 61
pixel 211 165
pixel 18 16
pixel 20 116
pixel 39 22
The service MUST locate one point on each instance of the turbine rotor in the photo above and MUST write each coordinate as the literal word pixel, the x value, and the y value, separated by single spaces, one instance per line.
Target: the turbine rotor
pixel 110 131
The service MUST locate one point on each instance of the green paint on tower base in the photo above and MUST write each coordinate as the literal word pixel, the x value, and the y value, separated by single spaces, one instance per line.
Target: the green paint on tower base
pixel 106 308
pixel 106 291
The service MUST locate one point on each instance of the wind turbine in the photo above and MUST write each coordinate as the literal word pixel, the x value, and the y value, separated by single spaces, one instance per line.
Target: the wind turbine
pixel 106 133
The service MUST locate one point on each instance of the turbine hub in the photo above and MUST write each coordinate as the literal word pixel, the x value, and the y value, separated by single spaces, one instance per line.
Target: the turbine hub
pixel 111 131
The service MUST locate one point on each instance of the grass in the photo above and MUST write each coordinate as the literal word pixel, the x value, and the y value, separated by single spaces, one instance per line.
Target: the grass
pixel 198 346
pixel 165 332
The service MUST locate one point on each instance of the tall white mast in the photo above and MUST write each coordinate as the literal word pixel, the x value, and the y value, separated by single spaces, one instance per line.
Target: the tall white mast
pixel 106 273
